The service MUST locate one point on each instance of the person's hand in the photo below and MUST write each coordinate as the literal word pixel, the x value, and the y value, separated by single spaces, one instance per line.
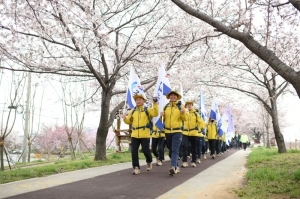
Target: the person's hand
pixel 182 111
pixel 123 116
pixel 162 114
pixel 155 99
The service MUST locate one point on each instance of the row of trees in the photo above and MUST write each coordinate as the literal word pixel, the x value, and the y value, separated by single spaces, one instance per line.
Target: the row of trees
pixel 96 41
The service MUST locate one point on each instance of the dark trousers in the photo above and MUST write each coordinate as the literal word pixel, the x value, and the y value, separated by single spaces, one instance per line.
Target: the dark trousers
pixel 212 146
pixel 185 146
pixel 201 148
pixel 157 147
pixel 173 143
pixel 218 146
pixel 135 144
pixel 244 146
pixel 223 146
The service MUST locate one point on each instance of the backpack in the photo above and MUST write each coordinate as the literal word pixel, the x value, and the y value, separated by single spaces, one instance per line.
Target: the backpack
pixel 150 123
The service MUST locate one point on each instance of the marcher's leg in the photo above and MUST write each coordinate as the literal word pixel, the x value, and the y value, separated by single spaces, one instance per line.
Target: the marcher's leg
pixel 176 141
pixel 212 145
pixel 135 144
pixel 160 150
pixel 199 149
pixel 193 141
pixel 184 145
pixel 147 152
pixel 154 147
pixel 218 147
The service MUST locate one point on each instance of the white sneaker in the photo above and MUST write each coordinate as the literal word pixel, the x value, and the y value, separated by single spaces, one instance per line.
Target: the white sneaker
pixel 198 160
pixel 172 171
pixel 149 166
pixel 184 164
pixel 159 163
pixel 193 164
pixel 136 171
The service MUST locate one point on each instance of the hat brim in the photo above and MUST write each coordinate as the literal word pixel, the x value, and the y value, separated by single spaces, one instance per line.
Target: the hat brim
pixel 188 102
pixel 174 92
pixel 139 96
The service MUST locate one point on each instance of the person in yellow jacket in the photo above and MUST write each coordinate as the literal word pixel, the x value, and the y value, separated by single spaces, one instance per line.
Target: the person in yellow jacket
pixel 244 140
pixel 158 143
pixel 212 136
pixel 140 118
pixel 173 116
pixel 190 133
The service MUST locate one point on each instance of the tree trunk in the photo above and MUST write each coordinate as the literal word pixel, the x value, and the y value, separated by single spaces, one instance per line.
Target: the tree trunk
pixel 2 153
pixel 103 127
pixel 29 151
pixel 278 136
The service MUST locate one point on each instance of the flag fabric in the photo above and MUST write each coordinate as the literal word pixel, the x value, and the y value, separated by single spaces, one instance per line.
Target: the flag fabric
pixel 163 87
pixel 215 114
pixel 231 128
pixel 201 106
pixel 134 87
pixel 181 93
pixel 224 126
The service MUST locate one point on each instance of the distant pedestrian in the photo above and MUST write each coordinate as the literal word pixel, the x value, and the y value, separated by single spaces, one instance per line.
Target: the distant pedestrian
pixel 244 140
pixel 237 138
pixel 140 118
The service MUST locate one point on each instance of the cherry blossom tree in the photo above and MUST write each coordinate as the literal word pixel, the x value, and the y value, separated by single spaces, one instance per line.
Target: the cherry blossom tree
pixel 242 21
pixel 9 108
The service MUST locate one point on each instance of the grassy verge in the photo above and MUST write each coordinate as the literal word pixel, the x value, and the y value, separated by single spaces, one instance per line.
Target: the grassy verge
pixel 272 175
pixel 61 166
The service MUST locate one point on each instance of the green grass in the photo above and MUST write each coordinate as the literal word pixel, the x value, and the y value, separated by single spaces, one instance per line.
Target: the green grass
pixel 46 168
pixel 272 175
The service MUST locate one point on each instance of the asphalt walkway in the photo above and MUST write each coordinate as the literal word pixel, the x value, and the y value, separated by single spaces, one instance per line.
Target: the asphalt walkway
pixel 117 182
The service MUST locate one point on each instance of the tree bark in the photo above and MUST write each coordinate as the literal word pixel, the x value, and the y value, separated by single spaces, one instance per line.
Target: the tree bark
pixel 278 135
pixel 2 153
pixel 103 127
pixel 296 4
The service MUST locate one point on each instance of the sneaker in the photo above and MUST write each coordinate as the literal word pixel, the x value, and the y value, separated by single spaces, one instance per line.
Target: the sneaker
pixel 198 160
pixel 149 166
pixel 178 158
pixel 188 156
pixel 136 171
pixel 218 155
pixel 159 163
pixel 163 160
pixel 193 164
pixel 172 171
pixel 213 156
pixel 204 157
pixel 177 170
pixel 184 164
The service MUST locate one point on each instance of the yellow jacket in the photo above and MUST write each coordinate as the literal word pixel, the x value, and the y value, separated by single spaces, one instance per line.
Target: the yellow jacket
pixel 224 137
pixel 156 133
pixel 139 120
pixel 212 131
pixel 173 119
pixel 193 124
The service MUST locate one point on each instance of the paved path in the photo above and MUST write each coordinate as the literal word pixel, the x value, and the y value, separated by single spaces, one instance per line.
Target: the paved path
pixel 117 182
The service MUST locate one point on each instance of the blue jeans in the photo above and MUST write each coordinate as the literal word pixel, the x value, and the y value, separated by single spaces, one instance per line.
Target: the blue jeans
pixel 174 141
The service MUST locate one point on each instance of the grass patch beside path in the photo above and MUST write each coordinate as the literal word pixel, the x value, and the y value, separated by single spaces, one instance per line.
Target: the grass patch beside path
pixel 272 175
pixel 62 166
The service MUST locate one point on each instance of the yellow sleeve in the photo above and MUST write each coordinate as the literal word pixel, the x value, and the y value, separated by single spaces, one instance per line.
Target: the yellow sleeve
pixel 128 119
pixel 200 121
pixel 153 112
